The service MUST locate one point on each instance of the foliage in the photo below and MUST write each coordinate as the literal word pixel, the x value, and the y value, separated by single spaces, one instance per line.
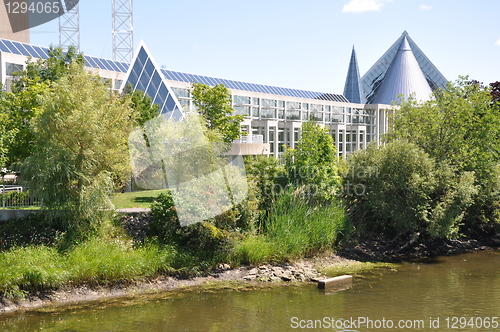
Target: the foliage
pixel 313 165
pixel 81 150
pixel 266 178
pixel 20 108
pixel 203 239
pixel 214 104
pixel 294 229
pixel 460 126
pixel 55 67
pixel 142 104
pixel 398 189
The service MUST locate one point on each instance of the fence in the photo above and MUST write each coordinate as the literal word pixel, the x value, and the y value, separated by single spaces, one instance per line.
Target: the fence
pixel 16 197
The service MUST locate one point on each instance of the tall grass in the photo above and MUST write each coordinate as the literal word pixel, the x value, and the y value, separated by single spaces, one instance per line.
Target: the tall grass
pixel 293 229
pixel 25 270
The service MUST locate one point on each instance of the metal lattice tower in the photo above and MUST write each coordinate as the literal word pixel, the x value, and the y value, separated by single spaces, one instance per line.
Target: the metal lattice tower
pixel 123 38
pixel 69 25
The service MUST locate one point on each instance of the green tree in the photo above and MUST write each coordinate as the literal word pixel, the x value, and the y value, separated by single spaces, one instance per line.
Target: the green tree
pixel 459 126
pixel 142 104
pixel 23 106
pixel 81 147
pixel 214 104
pixel 51 69
pixel 314 163
pixel 398 189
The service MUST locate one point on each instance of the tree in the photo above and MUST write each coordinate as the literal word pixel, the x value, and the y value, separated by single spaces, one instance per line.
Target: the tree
pixel 314 163
pixel 51 69
pixel 214 104
pixel 22 107
pixel 81 147
pixel 398 189
pixel 142 104
pixel 461 127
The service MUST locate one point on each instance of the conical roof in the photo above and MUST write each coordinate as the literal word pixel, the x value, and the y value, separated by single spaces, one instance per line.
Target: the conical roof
pixel 352 88
pixel 404 77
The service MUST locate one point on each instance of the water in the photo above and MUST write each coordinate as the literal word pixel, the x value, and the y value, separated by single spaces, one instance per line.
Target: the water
pixel 422 296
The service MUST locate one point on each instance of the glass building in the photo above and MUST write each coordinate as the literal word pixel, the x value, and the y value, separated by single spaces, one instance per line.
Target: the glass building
pixel 273 116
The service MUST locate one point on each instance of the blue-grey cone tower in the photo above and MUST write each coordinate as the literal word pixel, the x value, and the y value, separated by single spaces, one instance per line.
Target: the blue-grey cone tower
pixel 352 89
pixel 404 79
pixel 403 49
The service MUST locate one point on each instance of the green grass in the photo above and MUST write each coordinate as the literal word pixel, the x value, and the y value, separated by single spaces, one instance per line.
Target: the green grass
pixel 294 229
pixel 25 270
pixel 137 199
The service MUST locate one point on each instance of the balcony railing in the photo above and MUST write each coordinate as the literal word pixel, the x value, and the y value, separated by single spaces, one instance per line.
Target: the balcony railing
pixel 250 139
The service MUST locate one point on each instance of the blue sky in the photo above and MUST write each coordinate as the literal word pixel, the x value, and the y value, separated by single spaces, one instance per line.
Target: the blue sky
pixel 297 44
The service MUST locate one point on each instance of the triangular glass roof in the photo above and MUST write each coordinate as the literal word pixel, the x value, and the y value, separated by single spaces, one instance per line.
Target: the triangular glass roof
pixel 352 89
pixel 372 80
pixel 145 75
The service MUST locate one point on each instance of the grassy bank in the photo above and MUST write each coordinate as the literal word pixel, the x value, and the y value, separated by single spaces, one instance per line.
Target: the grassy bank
pixel 25 270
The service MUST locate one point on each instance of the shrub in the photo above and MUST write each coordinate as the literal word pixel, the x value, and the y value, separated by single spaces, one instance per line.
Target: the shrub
pixel 398 189
pixel 203 239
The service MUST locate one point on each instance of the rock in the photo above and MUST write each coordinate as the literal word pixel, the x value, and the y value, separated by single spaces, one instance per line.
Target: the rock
pixel 253 271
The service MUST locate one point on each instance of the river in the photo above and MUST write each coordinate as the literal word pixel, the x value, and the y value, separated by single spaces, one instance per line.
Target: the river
pixel 457 293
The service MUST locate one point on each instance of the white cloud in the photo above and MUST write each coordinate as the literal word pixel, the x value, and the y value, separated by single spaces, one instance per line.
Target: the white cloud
pixel 498 42
pixel 425 7
pixel 360 6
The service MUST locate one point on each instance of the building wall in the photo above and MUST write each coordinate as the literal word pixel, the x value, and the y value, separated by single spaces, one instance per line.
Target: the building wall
pixel 6 29
pixel 278 119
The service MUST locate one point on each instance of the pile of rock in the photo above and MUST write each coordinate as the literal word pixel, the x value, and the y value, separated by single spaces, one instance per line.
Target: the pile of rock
pixel 136 224
pixel 287 272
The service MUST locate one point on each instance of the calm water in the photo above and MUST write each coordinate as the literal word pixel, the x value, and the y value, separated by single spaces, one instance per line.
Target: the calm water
pixel 433 293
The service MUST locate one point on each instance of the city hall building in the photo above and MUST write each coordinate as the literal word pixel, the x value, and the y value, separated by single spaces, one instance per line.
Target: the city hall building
pixel 273 116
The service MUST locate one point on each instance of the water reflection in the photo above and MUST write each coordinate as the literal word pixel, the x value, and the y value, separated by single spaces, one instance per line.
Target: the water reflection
pixel 466 285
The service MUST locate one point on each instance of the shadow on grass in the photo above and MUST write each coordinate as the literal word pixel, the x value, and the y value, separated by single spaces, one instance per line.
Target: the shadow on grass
pixel 144 199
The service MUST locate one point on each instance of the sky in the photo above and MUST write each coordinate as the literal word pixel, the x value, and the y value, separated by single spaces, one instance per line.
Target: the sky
pixel 297 44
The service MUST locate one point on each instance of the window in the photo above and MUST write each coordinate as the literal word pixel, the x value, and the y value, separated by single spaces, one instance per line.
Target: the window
pixel 13 69
pixel 118 84
pixel 241 100
pixel 181 93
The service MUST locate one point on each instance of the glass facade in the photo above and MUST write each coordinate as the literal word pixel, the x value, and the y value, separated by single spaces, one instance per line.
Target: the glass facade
pixel 146 77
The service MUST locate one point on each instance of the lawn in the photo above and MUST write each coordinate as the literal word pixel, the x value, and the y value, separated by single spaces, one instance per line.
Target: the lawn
pixel 137 199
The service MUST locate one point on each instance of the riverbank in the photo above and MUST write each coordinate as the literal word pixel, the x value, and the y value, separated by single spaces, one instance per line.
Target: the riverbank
pixel 355 258
pixel 303 271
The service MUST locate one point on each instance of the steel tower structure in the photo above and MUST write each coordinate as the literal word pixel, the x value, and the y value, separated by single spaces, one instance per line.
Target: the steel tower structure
pixel 123 38
pixel 69 25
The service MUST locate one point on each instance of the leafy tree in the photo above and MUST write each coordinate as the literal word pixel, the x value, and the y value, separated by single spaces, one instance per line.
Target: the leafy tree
pixel 460 126
pixel 51 69
pixel 398 189
pixel 314 163
pixel 81 149
pixel 23 106
pixel 214 104
pixel 142 104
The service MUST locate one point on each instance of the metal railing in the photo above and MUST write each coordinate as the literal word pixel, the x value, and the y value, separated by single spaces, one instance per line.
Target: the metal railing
pixel 250 139
pixel 16 197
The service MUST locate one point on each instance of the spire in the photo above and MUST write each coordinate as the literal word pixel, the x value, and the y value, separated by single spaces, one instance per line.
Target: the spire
pixel 352 89
pixel 404 77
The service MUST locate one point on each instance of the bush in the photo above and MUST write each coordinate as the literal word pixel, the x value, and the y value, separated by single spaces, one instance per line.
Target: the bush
pixel 398 189
pixel 203 239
